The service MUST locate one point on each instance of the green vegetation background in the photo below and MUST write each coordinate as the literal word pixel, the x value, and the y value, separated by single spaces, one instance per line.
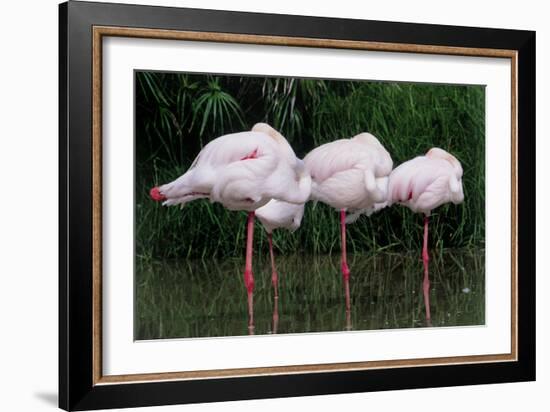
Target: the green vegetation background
pixel 177 114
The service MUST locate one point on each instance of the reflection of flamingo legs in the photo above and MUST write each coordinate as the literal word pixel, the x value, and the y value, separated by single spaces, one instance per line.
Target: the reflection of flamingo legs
pixel 248 276
pixel 275 315
pixel 275 283
pixel 274 277
pixel 345 268
pixel 348 320
pixel 426 260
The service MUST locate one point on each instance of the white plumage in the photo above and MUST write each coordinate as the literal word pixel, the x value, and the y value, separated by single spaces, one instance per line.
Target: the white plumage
pixel 350 174
pixel 278 214
pixel 243 171
pixel 426 182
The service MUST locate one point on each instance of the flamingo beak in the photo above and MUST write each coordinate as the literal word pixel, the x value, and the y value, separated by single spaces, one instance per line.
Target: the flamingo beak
pixel 156 195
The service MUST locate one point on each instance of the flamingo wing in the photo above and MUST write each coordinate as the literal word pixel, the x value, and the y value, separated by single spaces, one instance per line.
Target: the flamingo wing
pixel 278 214
pixel 421 184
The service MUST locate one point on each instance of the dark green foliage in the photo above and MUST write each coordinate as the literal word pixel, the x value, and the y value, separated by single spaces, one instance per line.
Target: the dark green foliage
pixel 176 114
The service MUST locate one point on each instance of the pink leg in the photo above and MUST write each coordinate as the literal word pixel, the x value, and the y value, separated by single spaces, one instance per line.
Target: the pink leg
pixel 248 276
pixel 274 276
pixel 275 283
pixel 426 283
pixel 345 268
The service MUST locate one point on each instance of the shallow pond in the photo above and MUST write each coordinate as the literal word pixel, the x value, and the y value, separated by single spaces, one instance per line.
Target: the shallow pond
pixel 206 298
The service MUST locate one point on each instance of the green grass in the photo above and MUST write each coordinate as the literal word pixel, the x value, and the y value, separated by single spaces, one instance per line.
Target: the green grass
pixel 177 114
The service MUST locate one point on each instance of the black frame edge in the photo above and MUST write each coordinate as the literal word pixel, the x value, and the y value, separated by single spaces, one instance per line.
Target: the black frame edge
pixel 77 296
pixel 63 378
pixel 526 110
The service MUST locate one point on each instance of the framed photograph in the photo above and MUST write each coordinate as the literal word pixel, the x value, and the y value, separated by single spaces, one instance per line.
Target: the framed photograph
pixel 256 205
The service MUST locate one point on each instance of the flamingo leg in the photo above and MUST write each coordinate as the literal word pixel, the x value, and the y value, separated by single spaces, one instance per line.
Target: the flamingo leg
pixel 274 276
pixel 248 276
pixel 345 268
pixel 426 260
pixel 275 316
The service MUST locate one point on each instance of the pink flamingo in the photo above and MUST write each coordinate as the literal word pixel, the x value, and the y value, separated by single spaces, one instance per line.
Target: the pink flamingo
pixel 242 171
pixel 422 184
pixel 278 214
pixel 350 175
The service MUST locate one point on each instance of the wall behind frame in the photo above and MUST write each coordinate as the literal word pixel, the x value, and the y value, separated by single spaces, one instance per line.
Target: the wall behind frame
pixel 28 211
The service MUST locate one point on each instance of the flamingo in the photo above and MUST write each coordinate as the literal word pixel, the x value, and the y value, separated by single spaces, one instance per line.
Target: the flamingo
pixel 422 184
pixel 350 175
pixel 242 171
pixel 274 215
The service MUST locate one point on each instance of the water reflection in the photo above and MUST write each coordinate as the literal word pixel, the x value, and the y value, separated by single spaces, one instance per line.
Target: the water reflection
pixel 348 326
pixel 275 322
pixel 205 298
pixel 275 317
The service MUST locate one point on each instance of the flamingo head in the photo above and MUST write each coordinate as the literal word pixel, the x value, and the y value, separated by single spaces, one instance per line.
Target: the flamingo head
pixel 156 195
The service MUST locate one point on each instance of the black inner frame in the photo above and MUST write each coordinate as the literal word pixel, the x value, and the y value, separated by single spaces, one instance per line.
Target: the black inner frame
pixel 76 389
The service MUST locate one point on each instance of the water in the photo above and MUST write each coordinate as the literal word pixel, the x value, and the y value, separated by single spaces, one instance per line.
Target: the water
pixel 185 299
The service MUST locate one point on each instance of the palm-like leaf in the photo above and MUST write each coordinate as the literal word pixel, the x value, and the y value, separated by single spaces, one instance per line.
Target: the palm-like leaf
pixel 217 109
